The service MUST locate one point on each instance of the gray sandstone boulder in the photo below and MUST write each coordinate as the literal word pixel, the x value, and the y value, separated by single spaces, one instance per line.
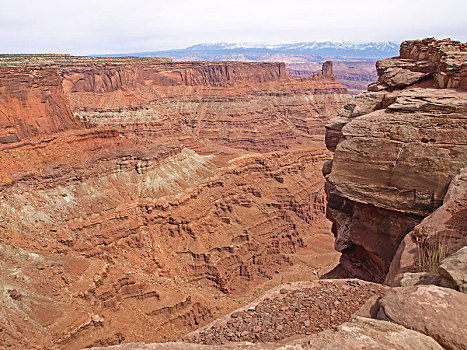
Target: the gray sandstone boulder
pixel 364 333
pixel 454 269
pixel 421 278
pixel 435 311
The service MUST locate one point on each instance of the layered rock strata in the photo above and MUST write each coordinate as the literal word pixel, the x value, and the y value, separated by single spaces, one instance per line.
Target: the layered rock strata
pixel 141 198
pixel 32 103
pixel 396 150
pixel 255 107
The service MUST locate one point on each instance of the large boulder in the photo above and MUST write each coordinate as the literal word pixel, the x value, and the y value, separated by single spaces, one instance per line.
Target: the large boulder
pixel 365 333
pixel 454 269
pixel 435 311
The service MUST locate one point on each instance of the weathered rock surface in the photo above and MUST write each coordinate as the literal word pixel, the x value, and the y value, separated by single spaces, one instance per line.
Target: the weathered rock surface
pixel 435 311
pixel 443 231
pixel 422 278
pixel 396 150
pixel 454 269
pixel 423 129
pixel 164 195
pixel 447 56
pixel 398 77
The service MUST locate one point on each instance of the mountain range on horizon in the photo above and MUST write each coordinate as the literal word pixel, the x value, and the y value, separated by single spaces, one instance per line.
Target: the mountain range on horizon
pixel 216 51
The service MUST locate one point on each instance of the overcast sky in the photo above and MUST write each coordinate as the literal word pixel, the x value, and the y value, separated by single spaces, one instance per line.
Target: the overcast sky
pixel 119 26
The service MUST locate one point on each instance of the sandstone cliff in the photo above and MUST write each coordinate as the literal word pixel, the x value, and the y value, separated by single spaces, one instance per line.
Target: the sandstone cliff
pixel 110 77
pixel 32 103
pixel 396 150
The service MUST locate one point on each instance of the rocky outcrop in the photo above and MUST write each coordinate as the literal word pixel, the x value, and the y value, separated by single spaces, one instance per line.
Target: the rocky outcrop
pixel 396 150
pixel 441 233
pixel 442 62
pixel 447 56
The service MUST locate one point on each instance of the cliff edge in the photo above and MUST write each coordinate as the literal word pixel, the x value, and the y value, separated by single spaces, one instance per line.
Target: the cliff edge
pixel 396 150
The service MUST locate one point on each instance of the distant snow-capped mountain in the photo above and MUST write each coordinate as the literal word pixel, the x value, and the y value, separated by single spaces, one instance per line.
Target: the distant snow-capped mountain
pixel 303 46
pixel 373 50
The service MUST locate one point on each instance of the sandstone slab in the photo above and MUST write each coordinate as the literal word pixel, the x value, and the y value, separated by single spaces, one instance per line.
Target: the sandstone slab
pixel 400 77
pixel 454 269
pixel 364 333
pixel 435 311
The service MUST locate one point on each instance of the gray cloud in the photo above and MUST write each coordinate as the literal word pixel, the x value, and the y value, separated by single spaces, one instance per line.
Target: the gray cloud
pixel 106 26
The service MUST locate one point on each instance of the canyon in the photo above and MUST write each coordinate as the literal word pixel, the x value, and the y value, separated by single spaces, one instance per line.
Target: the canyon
pixel 142 198
pixel 396 197
pixel 177 205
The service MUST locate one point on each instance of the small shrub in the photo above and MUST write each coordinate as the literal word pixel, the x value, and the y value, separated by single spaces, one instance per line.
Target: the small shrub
pixel 431 253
